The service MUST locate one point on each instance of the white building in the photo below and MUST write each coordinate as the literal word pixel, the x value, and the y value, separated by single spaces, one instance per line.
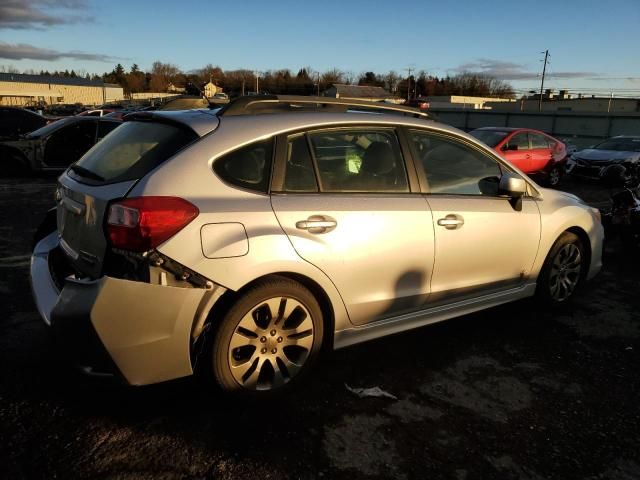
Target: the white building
pixel 19 89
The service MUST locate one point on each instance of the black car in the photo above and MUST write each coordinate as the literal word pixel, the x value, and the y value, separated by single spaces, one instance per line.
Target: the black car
pixel 19 121
pixel 54 146
pixel 596 162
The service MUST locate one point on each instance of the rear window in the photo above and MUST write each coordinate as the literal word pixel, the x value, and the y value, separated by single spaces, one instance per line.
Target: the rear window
pixel 133 150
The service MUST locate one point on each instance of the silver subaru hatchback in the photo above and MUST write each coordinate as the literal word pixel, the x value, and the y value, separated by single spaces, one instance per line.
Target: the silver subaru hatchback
pixel 242 242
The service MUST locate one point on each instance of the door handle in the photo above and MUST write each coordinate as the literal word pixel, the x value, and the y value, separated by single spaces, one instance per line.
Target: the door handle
pixel 451 222
pixel 317 224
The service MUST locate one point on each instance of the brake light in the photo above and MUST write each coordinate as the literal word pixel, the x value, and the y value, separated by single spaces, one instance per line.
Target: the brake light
pixel 142 223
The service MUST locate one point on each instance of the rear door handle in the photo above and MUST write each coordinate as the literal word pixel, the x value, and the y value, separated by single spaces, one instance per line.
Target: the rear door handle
pixel 451 222
pixel 317 224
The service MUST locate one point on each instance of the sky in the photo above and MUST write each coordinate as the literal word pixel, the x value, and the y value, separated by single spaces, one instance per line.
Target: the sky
pixel 593 45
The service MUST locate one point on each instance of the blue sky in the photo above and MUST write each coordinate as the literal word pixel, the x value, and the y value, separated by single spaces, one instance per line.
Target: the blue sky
pixel 593 45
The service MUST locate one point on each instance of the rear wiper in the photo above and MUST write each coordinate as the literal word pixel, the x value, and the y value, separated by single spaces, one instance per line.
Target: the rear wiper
pixel 86 173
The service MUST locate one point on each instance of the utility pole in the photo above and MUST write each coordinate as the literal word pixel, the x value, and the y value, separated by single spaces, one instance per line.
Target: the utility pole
pixel 409 70
pixel 544 71
pixel 318 83
pixel 256 73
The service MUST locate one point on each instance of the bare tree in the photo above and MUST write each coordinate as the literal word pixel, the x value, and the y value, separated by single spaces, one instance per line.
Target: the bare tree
pixel 161 75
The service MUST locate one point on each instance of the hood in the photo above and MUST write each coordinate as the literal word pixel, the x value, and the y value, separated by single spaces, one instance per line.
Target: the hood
pixel 612 156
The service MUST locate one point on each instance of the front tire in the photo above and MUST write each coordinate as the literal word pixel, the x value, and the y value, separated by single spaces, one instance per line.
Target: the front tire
pixel 268 339
pixel 562 271
pixel 555 177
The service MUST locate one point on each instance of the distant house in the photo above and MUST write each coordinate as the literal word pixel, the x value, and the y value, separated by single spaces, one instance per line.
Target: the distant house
pixel 171 88
pixel 210 89
pixel 359 92
pixel 20 89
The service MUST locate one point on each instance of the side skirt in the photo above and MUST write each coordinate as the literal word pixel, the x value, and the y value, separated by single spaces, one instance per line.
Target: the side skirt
pixel 389 326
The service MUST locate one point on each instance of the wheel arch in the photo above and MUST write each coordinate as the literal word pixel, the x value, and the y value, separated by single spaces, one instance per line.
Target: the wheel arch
pixel 219 309
pixel 586 243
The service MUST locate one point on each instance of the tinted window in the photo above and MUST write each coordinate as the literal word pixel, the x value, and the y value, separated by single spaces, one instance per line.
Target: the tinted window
pixel 538 141
pixel 620 144
pixel 451 167
pixel 520 140
pixel 359 160
pixel 248 167
pixel 105 127
pixel 135 149
pixel 299 175
pixel 66 145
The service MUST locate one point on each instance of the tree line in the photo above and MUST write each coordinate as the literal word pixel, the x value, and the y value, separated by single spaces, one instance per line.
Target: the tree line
pixel 305 81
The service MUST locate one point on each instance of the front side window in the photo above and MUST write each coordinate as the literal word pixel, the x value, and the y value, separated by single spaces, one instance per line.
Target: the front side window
pixel 248 167
pixel 359 160
pixel 451 167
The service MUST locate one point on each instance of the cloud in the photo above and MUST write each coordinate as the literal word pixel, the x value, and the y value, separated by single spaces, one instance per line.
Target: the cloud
pixel 514 71
pixel 23 51
pixel 39 14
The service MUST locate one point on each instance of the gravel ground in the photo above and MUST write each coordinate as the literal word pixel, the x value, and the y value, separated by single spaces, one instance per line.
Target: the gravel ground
pixel 511 392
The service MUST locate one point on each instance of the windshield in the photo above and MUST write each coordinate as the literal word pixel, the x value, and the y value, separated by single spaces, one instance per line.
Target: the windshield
pixel 620 144
pixel 490 137
pixel 132 150
pixel 50 128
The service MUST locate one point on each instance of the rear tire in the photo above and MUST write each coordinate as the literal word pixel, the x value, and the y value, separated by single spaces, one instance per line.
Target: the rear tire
pixel 562 271
pixel 268 340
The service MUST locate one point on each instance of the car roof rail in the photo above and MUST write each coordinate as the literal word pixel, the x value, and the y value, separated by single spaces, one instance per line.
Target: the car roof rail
pixel 256 104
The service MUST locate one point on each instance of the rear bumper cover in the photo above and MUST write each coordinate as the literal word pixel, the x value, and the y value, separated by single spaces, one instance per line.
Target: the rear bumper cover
pixel 145 329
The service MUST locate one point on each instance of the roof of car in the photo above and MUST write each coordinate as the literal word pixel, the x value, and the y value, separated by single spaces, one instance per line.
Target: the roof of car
pixel 289 109
pixel 503 129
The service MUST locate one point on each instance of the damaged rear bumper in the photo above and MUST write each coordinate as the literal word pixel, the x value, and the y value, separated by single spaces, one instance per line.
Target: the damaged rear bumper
pixel 146 330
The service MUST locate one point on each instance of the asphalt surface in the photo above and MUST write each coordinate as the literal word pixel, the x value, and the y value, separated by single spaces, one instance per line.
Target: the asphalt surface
pixel 512 392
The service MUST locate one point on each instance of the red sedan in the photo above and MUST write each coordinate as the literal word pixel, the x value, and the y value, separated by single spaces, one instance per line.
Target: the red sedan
pixel 532 151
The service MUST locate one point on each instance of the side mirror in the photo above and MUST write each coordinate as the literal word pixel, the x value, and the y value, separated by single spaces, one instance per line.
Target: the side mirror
pixel 514 187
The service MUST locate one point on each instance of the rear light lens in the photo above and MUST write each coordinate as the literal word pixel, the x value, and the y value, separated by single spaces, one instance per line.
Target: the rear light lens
pixel 142 223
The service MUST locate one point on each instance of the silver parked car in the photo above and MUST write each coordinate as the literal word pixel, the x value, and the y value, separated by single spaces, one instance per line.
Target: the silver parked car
pixel 243 241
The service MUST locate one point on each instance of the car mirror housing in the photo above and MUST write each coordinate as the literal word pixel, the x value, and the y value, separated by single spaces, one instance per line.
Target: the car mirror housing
pixel 514 187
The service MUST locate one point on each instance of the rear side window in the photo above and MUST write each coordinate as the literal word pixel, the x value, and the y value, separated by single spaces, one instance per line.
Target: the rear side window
pixel 248 167
pixel 359 160
pixel 133 150
pixel 538 141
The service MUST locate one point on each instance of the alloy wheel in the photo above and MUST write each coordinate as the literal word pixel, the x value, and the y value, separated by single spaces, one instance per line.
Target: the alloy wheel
pixel 565 272
pixel 271 343
pixel 554 177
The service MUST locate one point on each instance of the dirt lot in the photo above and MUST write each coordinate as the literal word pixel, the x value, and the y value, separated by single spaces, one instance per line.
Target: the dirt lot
pixel 512 392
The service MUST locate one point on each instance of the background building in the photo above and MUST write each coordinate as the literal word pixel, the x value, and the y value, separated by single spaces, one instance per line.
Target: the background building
pixel 565 102
pixel 19 89
pixel 464 102
pixel 360 92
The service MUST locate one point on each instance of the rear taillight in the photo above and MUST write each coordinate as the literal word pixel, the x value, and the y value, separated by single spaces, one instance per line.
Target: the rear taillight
pixel 142 223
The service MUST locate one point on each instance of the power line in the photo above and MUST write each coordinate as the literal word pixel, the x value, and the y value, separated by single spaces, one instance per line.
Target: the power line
pixel 544 70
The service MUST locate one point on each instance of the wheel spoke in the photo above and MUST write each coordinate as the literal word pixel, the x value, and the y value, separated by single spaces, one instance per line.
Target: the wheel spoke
pixel 271 343
pixel 250 377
